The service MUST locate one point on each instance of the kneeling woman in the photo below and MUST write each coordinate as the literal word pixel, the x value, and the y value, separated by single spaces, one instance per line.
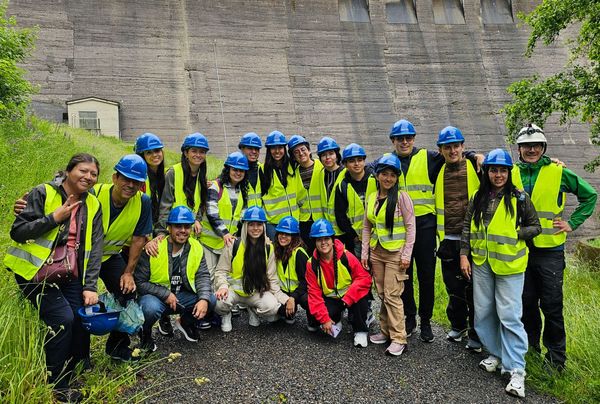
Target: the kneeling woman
pixel 336 280
pixel 247 274
pixel 498 221
pixel 291 258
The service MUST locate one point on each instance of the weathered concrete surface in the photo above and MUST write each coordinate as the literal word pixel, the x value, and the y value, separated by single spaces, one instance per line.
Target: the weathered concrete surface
pixel 228 67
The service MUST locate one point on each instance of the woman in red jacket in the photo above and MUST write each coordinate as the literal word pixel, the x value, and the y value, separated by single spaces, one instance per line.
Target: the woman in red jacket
pixel 336 281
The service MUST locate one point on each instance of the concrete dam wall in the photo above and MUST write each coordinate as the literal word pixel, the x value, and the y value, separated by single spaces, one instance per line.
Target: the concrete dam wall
pixel 346 68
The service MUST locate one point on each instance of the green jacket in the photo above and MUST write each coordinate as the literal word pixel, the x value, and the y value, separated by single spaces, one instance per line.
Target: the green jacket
pixel 570 182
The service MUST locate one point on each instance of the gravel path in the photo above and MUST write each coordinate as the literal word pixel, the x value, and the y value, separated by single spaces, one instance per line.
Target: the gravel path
pixel 286 363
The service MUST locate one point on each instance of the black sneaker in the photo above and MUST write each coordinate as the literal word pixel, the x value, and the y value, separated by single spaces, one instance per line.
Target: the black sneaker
pixel 123 354
pixel 410 324
pixel 189 331
pixel 426 332
pixel 68 395
pixel 164 326
pixel 147 343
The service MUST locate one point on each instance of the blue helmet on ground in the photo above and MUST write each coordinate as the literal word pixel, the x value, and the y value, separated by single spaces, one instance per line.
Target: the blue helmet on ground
pixel 297 140
pixel 133 167
pixel 288 225
pixel 321 228
pixel 195 140
pixel 326 144
pixel 181 215
pixel 353 150
pixel 498 157
pixel 237 160
pixel 276 138
pixel 250 139
pixel 147 141
pixel 254 214
pixel 450 134
pixel 402 128
pixel 100 321
pixel 388 160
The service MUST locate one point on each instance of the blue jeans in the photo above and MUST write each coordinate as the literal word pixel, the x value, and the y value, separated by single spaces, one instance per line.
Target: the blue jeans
pixel 153 307
pixel 498 310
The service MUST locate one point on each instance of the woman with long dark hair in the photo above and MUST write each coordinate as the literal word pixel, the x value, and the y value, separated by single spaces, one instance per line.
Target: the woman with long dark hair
pixel 247 274
pixel 61 214
pixel 498 222
pixel 150 148
pixel 387 242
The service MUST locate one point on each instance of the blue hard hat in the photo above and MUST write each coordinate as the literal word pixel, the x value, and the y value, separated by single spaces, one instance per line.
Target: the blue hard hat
pixel 297 140
pixel 288 225
pixel 100 321
pixel 402 128
pixel 450 134
pixel 321 228
pixel 133 167
pixel 388 160
pixel 195 140
pixel 326 144
pixel 237 160
pixel 498 157
pixel 250 139
pixel 353 150
pixel 276 138
pixel 254 214
pixel 147 141
pixel 181 215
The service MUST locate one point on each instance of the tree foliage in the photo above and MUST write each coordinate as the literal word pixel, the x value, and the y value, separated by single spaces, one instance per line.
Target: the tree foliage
pixel 574 92
pixel 16 44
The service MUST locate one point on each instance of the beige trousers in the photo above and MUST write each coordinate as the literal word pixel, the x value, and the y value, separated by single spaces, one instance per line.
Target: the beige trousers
pixel 265 305
pixel 211 262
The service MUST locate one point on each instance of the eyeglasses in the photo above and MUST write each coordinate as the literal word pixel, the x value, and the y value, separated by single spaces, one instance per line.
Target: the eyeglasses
pixel 534 146
pixel 406 139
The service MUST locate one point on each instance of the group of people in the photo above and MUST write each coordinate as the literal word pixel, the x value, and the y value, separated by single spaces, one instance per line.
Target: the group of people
pixel 315 233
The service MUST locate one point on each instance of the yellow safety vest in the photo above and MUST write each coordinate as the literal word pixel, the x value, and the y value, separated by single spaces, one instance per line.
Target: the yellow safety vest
pixel 472 187
pixel 118 233
pixel 159 265
pixel 148 191
pixel 280 201
pixel 329 202
pixel 254 193
pixel 417 184
pixel 341 283
pixel 544 196
pixel 25 259
pixel 312 207
pixel 237 270
pixel 230 218
pixel 356 206
pixel 499 243
pixel 180 198
pixel 288 278
pixel 379 232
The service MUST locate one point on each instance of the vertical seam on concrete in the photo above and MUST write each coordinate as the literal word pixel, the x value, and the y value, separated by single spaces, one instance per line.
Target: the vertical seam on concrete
pixel 185 58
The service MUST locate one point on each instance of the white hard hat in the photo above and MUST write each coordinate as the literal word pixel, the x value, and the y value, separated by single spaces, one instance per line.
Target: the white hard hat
pixel 531 134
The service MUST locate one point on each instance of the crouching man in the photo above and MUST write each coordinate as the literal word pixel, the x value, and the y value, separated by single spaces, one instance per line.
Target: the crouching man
pixel 175 281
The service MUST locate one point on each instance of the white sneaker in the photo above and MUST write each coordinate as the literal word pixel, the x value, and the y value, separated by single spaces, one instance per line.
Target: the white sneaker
pixel 360 339
pixel 516 386
pixel 490 364
pixel 456 335
pixel 253 319
pixel 226 322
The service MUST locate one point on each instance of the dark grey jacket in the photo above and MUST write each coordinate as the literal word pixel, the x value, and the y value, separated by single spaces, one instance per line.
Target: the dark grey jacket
pixel 145 287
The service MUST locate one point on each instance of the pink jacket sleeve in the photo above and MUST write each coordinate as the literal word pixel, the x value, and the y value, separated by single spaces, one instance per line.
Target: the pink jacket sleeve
pixel 405 207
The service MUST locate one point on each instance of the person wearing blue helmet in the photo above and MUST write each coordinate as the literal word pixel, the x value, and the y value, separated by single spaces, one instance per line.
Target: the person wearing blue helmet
pixel 247 274
pixel 328 180
pixel 60 213
pixel 281 188
pixel 498 222
pixel 291 258
pixel 456 184
pixel 176 280
pixel 250 144
pixel 150 148
pixel 337 281
pixel 419 171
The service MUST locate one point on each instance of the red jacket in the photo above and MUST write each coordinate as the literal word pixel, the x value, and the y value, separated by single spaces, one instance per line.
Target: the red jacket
pixel 361 283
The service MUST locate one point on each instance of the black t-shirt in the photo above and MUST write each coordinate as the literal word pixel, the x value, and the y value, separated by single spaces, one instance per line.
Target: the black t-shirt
pixel 176 274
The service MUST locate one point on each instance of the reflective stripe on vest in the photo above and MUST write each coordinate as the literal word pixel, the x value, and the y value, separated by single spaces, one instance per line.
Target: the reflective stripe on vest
pixel 25 259
pixel 237 270
pixel 312 207
pixel 416 183
pixel 499 243
pixel 178 183
pixel 545 196
pixel 118 233
pixel 341 282
pixel 159 265
pixel 230 219
pixel 280 201
pixel 288 277
pixel 472 187
pixel 379 232
pixel 329 202
pixel 356 205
